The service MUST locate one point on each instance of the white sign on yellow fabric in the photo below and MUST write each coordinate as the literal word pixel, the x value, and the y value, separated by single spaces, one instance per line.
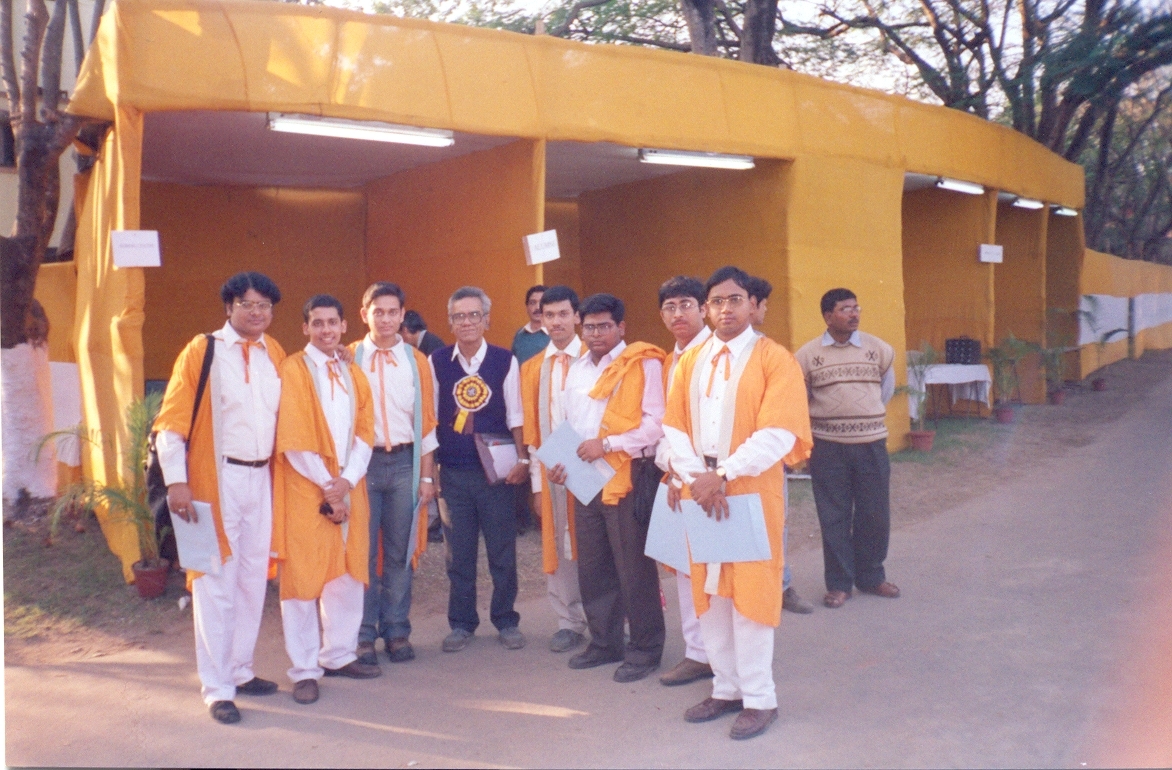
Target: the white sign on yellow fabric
pixel 992 253
pixel 136 248
pixel 541 247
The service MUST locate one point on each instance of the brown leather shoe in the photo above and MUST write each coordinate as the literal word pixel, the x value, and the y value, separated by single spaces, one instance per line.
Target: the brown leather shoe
pixel 687 670
pixel 305 691
pixel 400 650
pixel 355 670
pixel 366 654
pixel 886 590
pixel 835 599
pixel 711 708
pixel 751 722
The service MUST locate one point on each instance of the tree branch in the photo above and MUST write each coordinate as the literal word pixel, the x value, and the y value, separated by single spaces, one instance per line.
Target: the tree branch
pixel 52 51
pixel 8 61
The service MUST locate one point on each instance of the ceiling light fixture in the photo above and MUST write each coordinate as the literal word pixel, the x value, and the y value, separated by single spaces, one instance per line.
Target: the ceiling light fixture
pixel 698 159
pixel 1028 203
pixel 359 129
pixel 955 185
pixel 1065 211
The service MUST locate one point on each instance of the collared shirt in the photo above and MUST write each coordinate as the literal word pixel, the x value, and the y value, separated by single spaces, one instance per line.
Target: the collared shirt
pixel 557 398
pixel 887 385
pixel 763 449
pixel 663 451
pixel 397 404
pixel 528 342
pixel 247 409
pixel 514 416
pixel 353 456
pixel 585 413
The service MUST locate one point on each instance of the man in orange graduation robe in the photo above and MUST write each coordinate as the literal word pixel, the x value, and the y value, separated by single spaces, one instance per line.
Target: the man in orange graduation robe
pixel 736 412
pixel 325 432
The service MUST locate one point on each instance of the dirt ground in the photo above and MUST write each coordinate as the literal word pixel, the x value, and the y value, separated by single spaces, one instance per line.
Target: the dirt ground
pixel 68 602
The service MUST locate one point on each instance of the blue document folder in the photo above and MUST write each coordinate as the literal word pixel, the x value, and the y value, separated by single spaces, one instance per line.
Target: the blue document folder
pixel 584 480
pixel 667 542
pixel 740 537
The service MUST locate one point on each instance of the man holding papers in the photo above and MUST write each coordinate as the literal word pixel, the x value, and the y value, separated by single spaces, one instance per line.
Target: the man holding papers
pixel 543 396
pixel 223 460
pixel 736 411
pixel 321 516
pixel 614 400
pixel 681 305
pixel 401 477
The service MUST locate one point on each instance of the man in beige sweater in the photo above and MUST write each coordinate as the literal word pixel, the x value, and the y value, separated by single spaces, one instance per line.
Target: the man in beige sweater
pixel 849 379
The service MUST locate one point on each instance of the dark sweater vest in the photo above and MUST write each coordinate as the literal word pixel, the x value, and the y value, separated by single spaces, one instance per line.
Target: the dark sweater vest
pixel 458 450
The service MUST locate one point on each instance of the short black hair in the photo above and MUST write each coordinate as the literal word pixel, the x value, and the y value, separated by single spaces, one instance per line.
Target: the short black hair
pixel 238 285
pixel 533 290
pixel 833 297
pixel 604 303
pixel 682 286
pixel 383 289
pixel 559 294
pixel 760 289
pixel 321 300
pixel 730 273
pixel 413 322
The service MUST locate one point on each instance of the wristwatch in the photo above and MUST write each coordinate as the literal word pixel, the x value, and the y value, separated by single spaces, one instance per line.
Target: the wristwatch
pixel 606 445
pixel 426 480
pixel 720 471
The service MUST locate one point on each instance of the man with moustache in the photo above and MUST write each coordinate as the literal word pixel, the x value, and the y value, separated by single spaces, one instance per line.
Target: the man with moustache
pixel 321 513
pixel 543 395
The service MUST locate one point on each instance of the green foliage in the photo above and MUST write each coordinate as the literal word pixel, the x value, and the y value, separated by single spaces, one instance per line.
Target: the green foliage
pixel 918 364
pixel 1004 360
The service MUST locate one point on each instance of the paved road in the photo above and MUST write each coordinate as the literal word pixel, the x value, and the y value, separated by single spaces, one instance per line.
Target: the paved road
pixel 1035 630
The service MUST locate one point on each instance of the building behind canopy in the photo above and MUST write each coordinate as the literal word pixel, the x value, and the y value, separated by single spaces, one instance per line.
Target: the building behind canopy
pixel 547 133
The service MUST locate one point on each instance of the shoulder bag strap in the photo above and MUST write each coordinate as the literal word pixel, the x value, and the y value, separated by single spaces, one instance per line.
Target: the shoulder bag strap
pixel 203 380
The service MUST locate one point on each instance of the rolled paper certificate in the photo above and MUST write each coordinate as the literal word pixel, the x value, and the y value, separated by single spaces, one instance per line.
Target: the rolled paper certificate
pixel 471 394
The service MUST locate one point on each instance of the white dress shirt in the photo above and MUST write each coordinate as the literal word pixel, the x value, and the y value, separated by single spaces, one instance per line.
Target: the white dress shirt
pixel 760 451
pixel 335 404
pixel 514 416
pixel 557 398
pixel 663 451
pixel 396 405
pixel 886 385
pixel 585 413
pixel 247 408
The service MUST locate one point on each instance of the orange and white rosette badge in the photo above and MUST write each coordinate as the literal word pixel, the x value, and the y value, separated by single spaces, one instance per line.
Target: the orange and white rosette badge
pixel 471 394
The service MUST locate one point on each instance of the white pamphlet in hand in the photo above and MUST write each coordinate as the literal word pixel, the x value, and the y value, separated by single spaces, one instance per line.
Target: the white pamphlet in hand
pixel 199 548
pixel 667 541
pixel 741 536
pixel 584 480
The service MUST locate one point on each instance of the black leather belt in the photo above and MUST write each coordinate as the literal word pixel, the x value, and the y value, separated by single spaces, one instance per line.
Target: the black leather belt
pixel 247 463
pixel 395 448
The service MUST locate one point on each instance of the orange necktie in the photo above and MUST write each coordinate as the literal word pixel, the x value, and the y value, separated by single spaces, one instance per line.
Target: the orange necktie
pixel 726 354
pixel 386 355
pixel 334 372
pixel 563 358
pixel 244 346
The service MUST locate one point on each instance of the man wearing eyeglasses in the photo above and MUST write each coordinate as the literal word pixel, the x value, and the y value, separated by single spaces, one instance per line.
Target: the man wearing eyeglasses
pixel 850 379
pixel 614 398
pixel 223 460
pixel 477 390
pixel 682 307
pixel 735 416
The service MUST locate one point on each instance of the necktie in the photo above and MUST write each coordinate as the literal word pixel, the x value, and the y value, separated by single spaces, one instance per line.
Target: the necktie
pixel 563 359
pixel 726 354
pixel 383 354
pixel 334 372
pixel 244 346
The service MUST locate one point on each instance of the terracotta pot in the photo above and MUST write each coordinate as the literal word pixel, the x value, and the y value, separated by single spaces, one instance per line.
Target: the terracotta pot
pixel 150 581
pixel 922 440
pixel 1004 413
pixel 1057 397
pixel 1098 384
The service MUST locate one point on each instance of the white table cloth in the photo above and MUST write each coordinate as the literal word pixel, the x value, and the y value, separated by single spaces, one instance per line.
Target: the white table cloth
pixel 971 382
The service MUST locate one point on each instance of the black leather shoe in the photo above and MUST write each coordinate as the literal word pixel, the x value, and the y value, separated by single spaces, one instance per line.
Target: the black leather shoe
pixel 355 670
pixel 224 712
pixel 257 686
pixel 633 672
pixel 594 656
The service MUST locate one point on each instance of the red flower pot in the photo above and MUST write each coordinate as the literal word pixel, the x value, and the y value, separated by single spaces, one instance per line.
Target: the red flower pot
pixel 1057 397
pixel 922 440
pixel 150 580
pixel 1005 414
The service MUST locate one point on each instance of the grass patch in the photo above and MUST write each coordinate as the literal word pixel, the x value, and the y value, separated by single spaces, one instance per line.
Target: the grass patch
pixel 954 435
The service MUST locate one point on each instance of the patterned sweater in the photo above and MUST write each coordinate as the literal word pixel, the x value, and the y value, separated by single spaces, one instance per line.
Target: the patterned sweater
pixel 844 383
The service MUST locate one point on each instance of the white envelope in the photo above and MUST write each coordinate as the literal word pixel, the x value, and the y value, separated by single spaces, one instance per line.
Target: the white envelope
pixel 667 540
pixel 584 480
pixel 199 549
pixel 740 537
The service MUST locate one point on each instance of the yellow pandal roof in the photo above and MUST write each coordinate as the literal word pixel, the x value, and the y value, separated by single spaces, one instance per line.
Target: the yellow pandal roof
pixel 156 55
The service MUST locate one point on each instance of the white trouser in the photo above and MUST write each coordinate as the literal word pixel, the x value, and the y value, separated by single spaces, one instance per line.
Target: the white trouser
pixel 689 623
pixel 562 586
pixel 741 653
pixel 333 643
pixel 227 607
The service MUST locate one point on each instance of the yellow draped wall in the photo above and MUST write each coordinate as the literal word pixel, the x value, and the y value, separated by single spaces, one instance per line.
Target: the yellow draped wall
pixel 562 215
pixel 1020 290
pixel 57 292
pixel 1107 274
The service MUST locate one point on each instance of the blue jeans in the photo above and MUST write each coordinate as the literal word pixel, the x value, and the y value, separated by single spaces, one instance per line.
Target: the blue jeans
pixel 387 601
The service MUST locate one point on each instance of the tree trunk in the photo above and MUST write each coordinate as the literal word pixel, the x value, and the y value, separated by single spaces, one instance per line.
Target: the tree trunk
pixel 760 29
pixel 701 18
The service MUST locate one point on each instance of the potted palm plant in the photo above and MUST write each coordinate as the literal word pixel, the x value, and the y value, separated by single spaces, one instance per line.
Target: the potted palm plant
pixel 1004 360
pixel 918 364
pixel 1089 312
pixel 126 498
pixel 1059 342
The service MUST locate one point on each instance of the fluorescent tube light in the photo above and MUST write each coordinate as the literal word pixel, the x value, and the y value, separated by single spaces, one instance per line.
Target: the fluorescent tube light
pixel 1065 211
pixel 359 129
pixel 1027 203
pixel 699 159
pixel 955 185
